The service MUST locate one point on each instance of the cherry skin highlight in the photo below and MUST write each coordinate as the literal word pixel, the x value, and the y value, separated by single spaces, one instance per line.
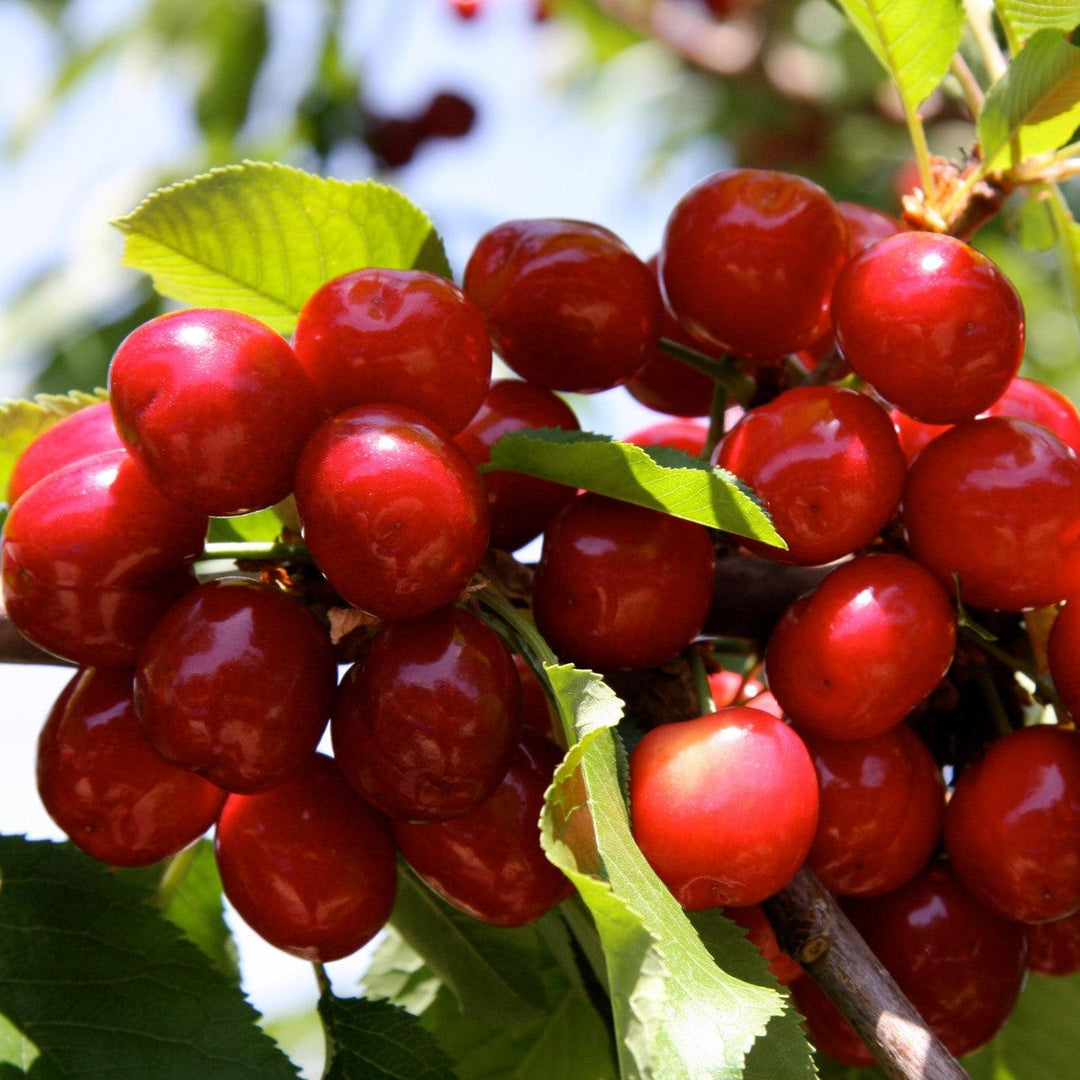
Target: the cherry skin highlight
pixel 1063 656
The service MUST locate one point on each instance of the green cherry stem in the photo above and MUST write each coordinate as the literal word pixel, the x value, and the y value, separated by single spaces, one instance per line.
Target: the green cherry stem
pixel 173 877
pixel 739 387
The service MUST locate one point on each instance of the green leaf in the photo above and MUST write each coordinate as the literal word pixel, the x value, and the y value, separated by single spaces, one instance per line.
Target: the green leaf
pixel 1036 101
pixel 21 422
pixel 1025 17
pixel 913 39
pixel 656 477
pixel 17 1052
pixel 375 1040
pixel 260 238
pixel 99 981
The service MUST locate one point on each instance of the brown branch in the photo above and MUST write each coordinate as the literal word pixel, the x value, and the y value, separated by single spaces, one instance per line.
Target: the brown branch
pixel 811 927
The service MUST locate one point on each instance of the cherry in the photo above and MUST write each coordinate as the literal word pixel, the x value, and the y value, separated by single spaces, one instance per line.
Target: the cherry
pixel 827 465
pixel 932 324
pixel 827 1027
pixel 1027 399
pixel 723 806
pixel 236 682
pixel 1012 828
pixel 1063 656
pixel 568 304
pixel 447 116
pixel 537 711
pixel 759 930
pixel 853 657
pixel 607 568
pixel 103 784
pixel 489 862
pixel 748 261
pixel 81 435
pixel 308 865
pixel 1054 947
pixel 215 405
pixel 686 435
pixel 997 501
pixel 882 808
pixel 394 513
pixel 914 434
pixel 425 724
pixel 401 337
pixel 865 226
pixel 519 506
pixel 959 964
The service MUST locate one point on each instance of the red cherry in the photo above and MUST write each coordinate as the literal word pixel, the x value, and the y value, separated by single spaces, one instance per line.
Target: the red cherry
pixel 826 463
pixel 866 226
pixel 932 324
pixel 489 862
pixel 1027 399
pixel 748 261
pixel 997 501
pixel 537 712
pixel 1054 947
pixel 914 434
pixel 1012 828
pixel 882 808
pixel 759 930
pixel 394 513
pixel 852 658
pixel 425 724
pixel 448 116
pixel 724 806
pixel 1063 656
pixel 520 506
pixel 607 568
pixel 568 304
pixel 826 1026
pixel 215 405
pixel 401 337
pixel 686 435
pixel 103 784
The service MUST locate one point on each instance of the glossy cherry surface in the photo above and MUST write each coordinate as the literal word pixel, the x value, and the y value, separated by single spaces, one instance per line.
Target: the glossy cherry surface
pixel 865 225
pixel 402 337
pixel 607 569
pixel 394 513
pixel 759 930
pixel 236 682
pixel 424 725
pixel 1063 656
pixel 519 506
pixel 1054 947
pixel 308 865
pixel 537 711
pixel 215 406
pixel 959 964
pixel 723 806
pixel 826 1026
pixel 1012 828
pixel 569 306
pixel 489 862
pixel 828 466
pixel 103 784
pixel 686 435
pixel 914 434
pixel 882 809
pixel 748 261
pixel 852 658
pixel 1027 399
pixel 932 324
pixel 81 435
pixel 997 501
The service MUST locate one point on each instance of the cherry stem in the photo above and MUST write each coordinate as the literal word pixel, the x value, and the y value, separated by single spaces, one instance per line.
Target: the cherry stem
pixel 1044 687
pixel 173 877
pixel 717 412
pixel 701 681
pixel 322 980
pixel 739 387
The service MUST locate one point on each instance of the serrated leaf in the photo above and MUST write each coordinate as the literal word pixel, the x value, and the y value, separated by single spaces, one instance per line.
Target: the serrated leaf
pixel 96 978
pixel 375 1040
pixel 1025 17
pixel 22 421
pixel 1036 101
pixel 913 39
pixel 260 238
pixel 656 477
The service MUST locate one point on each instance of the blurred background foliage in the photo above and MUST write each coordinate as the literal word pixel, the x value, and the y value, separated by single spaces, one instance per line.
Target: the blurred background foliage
pixel 782 84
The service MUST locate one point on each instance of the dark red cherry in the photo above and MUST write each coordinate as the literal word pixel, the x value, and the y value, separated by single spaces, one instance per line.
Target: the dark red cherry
pixel 826 1026
pixel 1054 947
pixel 759 930
pixel 537 711
pixel 448 116
pixel 103 784
pixel 308 865
pixel 394 513
pixel 489 862
pixel 425 723
pixel 1063 656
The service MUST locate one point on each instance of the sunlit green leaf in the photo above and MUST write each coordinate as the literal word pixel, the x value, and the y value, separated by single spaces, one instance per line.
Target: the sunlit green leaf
pixel 1026 17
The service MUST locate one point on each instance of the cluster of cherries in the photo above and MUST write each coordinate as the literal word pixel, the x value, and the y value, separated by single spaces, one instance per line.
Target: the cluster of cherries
pixel 885 430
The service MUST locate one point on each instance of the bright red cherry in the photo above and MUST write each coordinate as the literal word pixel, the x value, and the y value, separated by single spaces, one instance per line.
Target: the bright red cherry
pixel 1026 399
pixel 236 682
pixel 607 570
pixel 997 501
pixel 519 506
pixel 684 434
pixel 1012 828
pixel 724 806
pixel 748 261
pixel 103 784
pixel 914 434
pixel 1063 655
pixel 568 304
pixel 394 513
pixel 932 324
pixel 425 723
pixel 759 930
pixel 827 465
pixel 402 337
pixel 489 862
pixel 882 808
pixel 215 405
pixel 1054 947
pixel 866 225
pixel 852 658
pixel 309 865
